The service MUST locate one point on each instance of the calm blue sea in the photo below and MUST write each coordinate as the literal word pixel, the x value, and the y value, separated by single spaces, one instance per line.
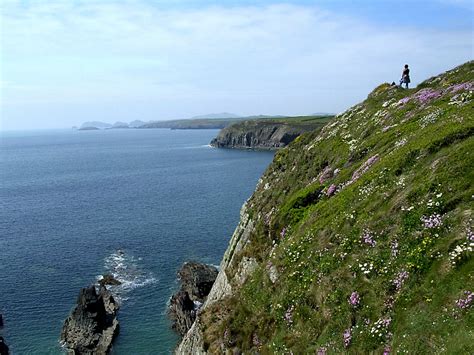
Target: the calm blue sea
pixel 137 203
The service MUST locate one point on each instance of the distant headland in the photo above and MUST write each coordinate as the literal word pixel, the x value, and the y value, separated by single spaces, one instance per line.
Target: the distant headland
pixel 209 121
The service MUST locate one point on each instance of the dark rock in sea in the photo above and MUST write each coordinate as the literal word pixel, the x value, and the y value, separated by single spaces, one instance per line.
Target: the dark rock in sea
pixel 109 279
pixel 92 325
pixel 197 279
pixel 196 283
pixel 182 312
pixel 1 320
pixel 3 347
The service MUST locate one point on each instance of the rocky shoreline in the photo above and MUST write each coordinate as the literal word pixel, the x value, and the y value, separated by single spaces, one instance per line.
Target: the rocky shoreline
pixel 92 325
pixel 196 283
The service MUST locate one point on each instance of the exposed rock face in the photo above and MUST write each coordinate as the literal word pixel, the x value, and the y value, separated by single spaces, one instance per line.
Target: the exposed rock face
pixel 196 282
pixel 193 342
pixel 182 312
pixel 262 134
pixel 3 347
pixel 92 325
pixel 197 279
pixel 257 136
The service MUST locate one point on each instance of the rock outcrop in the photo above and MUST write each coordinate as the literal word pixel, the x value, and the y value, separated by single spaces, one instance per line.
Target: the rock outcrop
pixel 4 350
pixel 196 282
pixel 1 320
pixel 92 325
pixel 109 279
pixel 264 134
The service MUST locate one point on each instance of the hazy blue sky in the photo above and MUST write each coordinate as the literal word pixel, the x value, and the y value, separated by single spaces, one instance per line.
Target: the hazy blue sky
pixel 65 62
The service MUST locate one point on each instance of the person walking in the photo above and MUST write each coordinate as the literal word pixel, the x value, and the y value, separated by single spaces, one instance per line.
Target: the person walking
pixel 405 76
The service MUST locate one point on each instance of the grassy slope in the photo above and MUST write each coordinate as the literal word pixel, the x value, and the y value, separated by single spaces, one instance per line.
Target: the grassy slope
pixel 302 122
pixel 412 150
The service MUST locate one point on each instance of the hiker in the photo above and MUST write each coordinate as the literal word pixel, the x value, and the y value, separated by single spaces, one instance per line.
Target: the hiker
pixel 405 76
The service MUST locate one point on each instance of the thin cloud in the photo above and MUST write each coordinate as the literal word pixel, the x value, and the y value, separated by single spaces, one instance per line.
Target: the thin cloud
pixel 276 59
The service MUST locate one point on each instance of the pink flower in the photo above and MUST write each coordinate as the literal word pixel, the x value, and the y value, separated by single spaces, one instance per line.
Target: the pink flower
pixel 331 190
pixel 347 336
pixel 364 167
pixel 289 315
pixel 368 239
pixel 424 96
pixel 433 221
pixel 458 87
pixel 403 101
pixel 400 279
pixel 354 299
pixel 464 303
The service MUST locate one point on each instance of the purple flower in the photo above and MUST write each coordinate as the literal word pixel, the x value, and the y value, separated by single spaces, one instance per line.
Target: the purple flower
pixel 283 232
pixel 424 96
pixel 433 221
pixel 400 279
pixel 394 247
pixel 367 238
pixel 331 190
pixel 256 341
pixel 363 168
pixel 470 235
pixel 403 101
pixel 289 315
pixel 464 303
pixel 354 299
pixel 459 87
pixel 387 350
pixel 347 336
pixel 322 351
pixel 326 174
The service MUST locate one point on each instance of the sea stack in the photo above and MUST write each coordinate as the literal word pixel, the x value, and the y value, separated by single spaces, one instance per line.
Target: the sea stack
pixel 92 325
pixel 3 347
pixel 196 283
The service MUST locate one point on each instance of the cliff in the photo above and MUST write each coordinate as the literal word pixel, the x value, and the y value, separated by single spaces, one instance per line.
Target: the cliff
pixel 266 133
pixel 358 238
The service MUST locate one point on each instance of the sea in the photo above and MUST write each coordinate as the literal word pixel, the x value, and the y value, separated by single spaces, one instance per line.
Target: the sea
pixel 136 203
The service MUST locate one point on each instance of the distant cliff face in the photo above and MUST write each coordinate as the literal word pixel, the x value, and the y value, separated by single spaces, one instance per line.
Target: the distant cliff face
pixel 264 134
pixel 358 238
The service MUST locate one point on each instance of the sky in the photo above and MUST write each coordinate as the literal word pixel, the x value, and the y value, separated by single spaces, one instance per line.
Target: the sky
pixel 66 62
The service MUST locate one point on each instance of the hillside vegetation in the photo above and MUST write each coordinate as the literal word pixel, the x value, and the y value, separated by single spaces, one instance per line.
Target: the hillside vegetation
pixel 358 238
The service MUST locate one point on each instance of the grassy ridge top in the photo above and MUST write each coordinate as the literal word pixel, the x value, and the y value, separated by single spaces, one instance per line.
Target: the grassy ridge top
pixel 363 233
pixel 296 121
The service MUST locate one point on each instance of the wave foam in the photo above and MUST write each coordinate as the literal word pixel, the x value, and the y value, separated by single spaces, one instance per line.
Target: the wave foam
pixel 127 270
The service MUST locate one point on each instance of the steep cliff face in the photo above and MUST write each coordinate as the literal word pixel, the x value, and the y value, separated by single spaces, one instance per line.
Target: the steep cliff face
pixel 358 238
pixel 92 325
pixel 266 134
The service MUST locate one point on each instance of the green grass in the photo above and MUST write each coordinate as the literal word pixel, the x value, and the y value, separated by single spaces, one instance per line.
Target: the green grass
pixel 424 169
